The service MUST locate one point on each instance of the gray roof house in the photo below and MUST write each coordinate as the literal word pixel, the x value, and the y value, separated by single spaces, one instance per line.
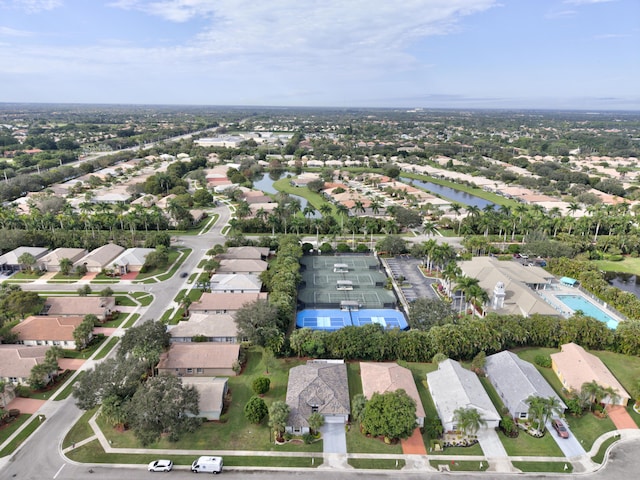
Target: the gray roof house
pixel 131 260
pixel 248 252
pixel 514 380
pixel 10 261
pixel 452 386
pixel 242 265
pixel 72 306
pixel 100 258
pixel 211 395
pixel 318 386
pixel 51 261
pixel 215 328
pixel 236 283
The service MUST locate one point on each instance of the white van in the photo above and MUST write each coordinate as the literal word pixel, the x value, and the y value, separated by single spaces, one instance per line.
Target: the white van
pixel 207 465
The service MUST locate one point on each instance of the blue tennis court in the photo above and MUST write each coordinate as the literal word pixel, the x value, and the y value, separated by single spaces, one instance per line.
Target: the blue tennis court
pixel 334 319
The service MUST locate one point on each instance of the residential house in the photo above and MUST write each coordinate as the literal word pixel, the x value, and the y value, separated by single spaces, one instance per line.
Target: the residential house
pixel 51 261
pixel 224 303
pixel 10 261
pixel 248 253
pixel 100 258
pixel 211 393
pixel 16 362
pixel 235 283
pixel 214 328
pixel 389 377
pixel 318 386
pixel 515 380
pixel 200 359
pixel 72 306
pixel 131 260
pixel 574 366
pixel 243 266
pixel 47 330
pixel 452 386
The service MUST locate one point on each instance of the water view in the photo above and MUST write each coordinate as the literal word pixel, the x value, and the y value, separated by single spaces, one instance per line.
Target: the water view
pixel 449 193
pixel 624 281
pixel 265 183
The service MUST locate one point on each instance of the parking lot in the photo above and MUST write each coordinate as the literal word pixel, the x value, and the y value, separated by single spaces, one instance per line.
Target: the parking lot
pixel 415 285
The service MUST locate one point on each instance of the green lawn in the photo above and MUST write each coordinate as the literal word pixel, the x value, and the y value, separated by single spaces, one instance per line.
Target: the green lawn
pixel 555 467
pixel 144 298
pixel 123 299
pixel 80 430
pixel 315 199
pixel 588 428
pixel 174 255
pixel 132 319
pixel 599 457
pixel 233 432
pixel 60 380
pixel 68 390
pixel 625 368
pixel 526 445
pixel 628 265
pixel 87 352
pixel 376 463
pixel 107 348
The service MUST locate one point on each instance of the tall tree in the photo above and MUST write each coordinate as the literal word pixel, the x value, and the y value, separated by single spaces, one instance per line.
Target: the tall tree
pixel 390 414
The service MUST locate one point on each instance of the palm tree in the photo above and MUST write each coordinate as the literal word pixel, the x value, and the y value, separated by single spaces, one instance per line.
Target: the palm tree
pixel 429 228
pixel 375 205
pixel 476 294
pixel 463 283
pixel 358 206
pixel 325 209
pixel 468 420
pixel 65 266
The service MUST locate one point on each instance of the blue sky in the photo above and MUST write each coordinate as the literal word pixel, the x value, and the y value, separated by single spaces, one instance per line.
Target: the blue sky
pixel 578 54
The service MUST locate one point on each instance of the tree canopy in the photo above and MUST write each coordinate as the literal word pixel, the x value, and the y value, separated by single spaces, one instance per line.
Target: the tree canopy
pixel 391 415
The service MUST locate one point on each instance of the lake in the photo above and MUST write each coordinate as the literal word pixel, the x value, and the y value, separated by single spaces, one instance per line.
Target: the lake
pixel 449 193
pixel 624 281
pixel 265 183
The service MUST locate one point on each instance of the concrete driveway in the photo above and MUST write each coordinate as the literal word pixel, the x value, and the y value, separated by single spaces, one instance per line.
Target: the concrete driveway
pixel 334 437
pixel 570 446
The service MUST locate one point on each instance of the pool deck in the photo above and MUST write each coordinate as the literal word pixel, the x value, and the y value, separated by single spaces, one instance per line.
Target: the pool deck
pixel 550 296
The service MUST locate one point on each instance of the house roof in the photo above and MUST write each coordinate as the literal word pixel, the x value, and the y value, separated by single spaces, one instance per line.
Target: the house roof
pixel 389 377
pixel 211 390
pixel 101 256
pixel 208 325
pixel 47 328
pixel 255 253
pixel 235 281
pixel 239 265
pixel 53 258
pixel 452 386
pixel 321 384
pixel 578 367
pixel 133 256
pixel 517 379
pixel 200 355
pixel 18 360
pixel 229 302
pixel 72 305
pixel 13 257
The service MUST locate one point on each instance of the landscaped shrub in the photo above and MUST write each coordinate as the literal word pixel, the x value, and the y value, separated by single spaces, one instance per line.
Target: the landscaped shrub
pixel 343 248
pixel 308 438
pixel 543 360
pixel 255 410
pixel 261 385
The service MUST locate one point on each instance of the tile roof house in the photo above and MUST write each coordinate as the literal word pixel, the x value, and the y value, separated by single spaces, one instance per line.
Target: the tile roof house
pixel 47 330
pixel 100 258
pixel 69 306
pixel 515 380
pixel 200 359
pixel 51 261
pixel 211 395
pixel 215 328
pixel 10 261
pixel 131 260
pixel 223 303
pixel 318 386
pixel 235 283
pixel 16 362
pixel 574 366
pixel 452 386
pixel 252 253
pixel 389 377
pixel 242 265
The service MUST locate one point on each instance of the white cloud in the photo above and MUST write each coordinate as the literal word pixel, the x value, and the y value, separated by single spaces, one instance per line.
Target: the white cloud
pixel 32 6
pixel 586 2
pixel 605 36
pixel 12 32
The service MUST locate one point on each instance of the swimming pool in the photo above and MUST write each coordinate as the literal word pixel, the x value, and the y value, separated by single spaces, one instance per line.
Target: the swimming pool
pixel 576 302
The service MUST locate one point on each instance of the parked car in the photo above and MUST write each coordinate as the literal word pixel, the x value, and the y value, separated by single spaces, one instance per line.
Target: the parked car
pixel 183 275
pixel 560 428
pixel 516 255
pixel 160 466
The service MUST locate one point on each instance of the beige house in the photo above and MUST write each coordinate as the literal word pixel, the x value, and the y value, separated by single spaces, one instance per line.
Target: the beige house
pixel 211 395
pixel 16 362
pixel 224 303
pixel 51 261
pixel 70 306
pixel 574 366
pixel 100 258
pixel 389 377
pixel 200 359
pixel 247 252
pixel 47 330
pixel 131 260
pixel 242 265
pixel 214 328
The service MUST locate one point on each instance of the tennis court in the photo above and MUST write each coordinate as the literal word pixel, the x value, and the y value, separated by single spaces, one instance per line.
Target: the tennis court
pixel 334 319
pixel 327 281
